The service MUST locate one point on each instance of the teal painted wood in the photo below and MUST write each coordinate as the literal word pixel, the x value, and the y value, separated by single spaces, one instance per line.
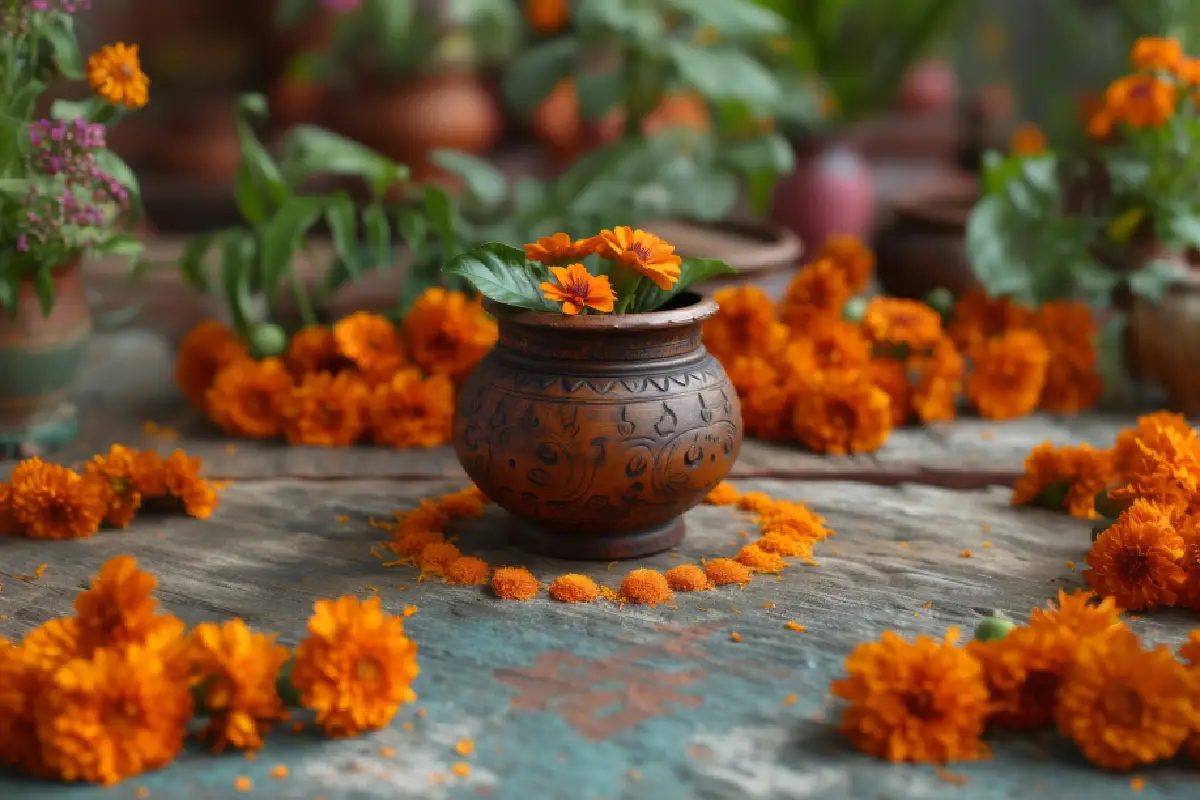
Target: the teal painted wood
pixel 595 701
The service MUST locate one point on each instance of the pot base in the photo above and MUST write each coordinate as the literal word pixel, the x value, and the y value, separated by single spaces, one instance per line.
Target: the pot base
pixel 41 437
pixel 567 543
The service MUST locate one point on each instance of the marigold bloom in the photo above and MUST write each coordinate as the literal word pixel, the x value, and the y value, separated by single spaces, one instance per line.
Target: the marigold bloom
pixel 115 73
pixel 356 667
pixel 1028 140
pixel 237 672
pixel 115 715
pixel 977 318
pixel 816 293
pixel 1136 560
pixel 116 469
pixel 852 257
pixel 1188 528
pixel 149 474
pixel 372 343
pixel 448 333
pixel 206 349
pixel 891 376
pixel 411 411
pixel 1150 430
pixel 934 395
pixel 765 397
pixel 246 398
pixel 326 410
pixel 1083 613
pixel 841 412
pixel 1141 101
pixel 53 643
pixel 891 321
pixel 577 290
pixel 8 525
pixel 744 325
pixel 467 571
pixel 1167 470
pixel 572 588
pixel 923 702
pixel 559 248
pixel 1069 388
pixel 182 480
pixel 314 349
pixel 52 502
pixel 646 586
pixel 514 583
pixel 119 611
pixel 1081 471
pixel 1023 671
pixel 546 17
pixel 21 681
pixel 826 344
pixel 642 252
pixel 1008 375
pixel 1153 53
pixel 1124 705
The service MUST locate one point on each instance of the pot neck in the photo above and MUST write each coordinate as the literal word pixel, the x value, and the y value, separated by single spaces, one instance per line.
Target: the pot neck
pixel 618 349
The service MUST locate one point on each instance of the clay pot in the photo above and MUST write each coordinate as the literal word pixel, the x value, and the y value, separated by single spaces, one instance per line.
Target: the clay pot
pixel 1165 341
pixel 763 254
pixel 596 433
pixel 199 143
pixel 925 247
pixel 929 87
pixel 407 121
pixel 831 190
pixel 40 360
pixel 295 101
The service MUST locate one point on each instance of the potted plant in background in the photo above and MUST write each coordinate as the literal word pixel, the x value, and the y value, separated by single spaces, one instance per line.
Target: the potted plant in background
pixel 63 196
pixel 831 86
pixel 598 419
pixel 404 74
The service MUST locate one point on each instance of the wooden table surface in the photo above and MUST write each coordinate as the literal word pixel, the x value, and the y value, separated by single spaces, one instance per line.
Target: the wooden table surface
pixel 590 701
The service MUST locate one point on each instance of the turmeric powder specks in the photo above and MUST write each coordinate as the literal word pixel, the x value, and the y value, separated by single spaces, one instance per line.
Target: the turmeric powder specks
pixel 514 583
pixel 645 586
pixel 688 578
pixel 573 588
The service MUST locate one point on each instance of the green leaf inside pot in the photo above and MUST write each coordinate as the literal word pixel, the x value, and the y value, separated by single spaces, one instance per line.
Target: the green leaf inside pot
pixel 502 273
pixel 691 272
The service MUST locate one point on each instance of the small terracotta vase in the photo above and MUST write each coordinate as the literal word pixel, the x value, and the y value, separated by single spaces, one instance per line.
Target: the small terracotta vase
pixel 596 433
pixel 1165 341
pixel 407 121
pixel 40 360
pixel 924 247
pixel 832 190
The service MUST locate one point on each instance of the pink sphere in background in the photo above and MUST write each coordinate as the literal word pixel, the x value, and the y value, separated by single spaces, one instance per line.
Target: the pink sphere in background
pixel 929 86
pixel 831 191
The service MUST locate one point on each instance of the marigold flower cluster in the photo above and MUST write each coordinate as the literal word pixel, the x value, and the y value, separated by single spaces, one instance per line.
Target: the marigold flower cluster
pixel 50 501
pixel 364 376
pixel 1162 76
pixel 1075 666
pixel 788 530
pixel 110 692
pixel 803 371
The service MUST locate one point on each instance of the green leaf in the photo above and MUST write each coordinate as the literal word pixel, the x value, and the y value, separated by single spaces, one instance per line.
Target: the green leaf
pixel 251 203
pixel 64 46
pixel 1184 228
pixel 722 73
pixel 1128 174
pixel 413 228
pixel 502 273
pixel 112 164
pixel 343 227
pixel 630 19
pixel 309 150
pixel 733 19
pixel 486 184
pixel 237 256
pixel 440 210
pixel 281 236
pixel 191 263
pixel 379 236
pixel 23 101
pixel 599 93
pixel 531 78
pixel 709 196
pixel 10 283
pixel 71 109
pixel 772 153
pixel 691 272
pixel 44 285
pixel 1094 279
pixel 1152 281
pixel 263 177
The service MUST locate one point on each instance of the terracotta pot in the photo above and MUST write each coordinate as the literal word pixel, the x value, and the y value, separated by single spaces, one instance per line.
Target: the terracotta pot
pixel 929 87
pixel 40 361
pixel 199 142
pixel 406 121
pixel 925 246
pixel 832 190
pixel 596 433
pixel 295 101
pixel 1165 339
pixel 763 254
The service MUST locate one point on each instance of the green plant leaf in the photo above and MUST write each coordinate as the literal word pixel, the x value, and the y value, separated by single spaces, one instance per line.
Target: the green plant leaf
pixel 531 78
pixel 500 272
pixel 309 150
pixel 112 164
pixel 733 19
pixel 379 236
pixel 1152 281
pixel 721 73
pixel 439 208
pixel 1185 229
pixel 413 229
pixel 599 93
pixel 281 236
pixel 191 263
pixel 262 175
pixel 691 272
pixel 486 184
pixel 772 153
pixel 43 282
pixel 710 195
pixel 64 46
pixel 343 227
pixel 251 203
pixel 237 256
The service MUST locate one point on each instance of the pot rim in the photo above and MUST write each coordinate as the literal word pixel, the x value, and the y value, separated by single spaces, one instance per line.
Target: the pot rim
pixel 699 309
pixel 949 207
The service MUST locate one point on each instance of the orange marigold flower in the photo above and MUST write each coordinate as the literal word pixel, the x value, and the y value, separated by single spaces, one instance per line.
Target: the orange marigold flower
pixel 411 411
pixel 853 257
pixel 546 17
pixel 764 397
pixel 1023 672
pixel 115 715
pixel 573 588
pixel 372 343
pixel 52 502
pixel 1083 613
pixel 52 644
pixel 467 571
pixel 977 318
pixel 116 469
pixel 1128 454
pixel 115 73
pixel 21 681
pixel 181 477
pixel 356 667
pixel 642 252
pixel 1136 561
pixel 314 349
pixel 1124 705
pixel 8 525
pixel 149 476
pixel 1028 140
pixel 934 396
pixel 1189 71
pixel 237 671
pixel 326 410
pixel 578 290
pixel 1166 470
pixel 560 248
pixel 1152 53
pixel 1008 375
pixel 1069 387
pixel 892 377
pixel 1141 101
pixel 1188 528
pixel 646 586
pixel 246 398
pixel 816 293
pixel 827 344
pixel 120 611
pixel 514 583
pixel 744 325
pixel 895 322
pixel 1073 475
pixel 923 702
pixel 841 412
pixel 448 333
pixel 206 349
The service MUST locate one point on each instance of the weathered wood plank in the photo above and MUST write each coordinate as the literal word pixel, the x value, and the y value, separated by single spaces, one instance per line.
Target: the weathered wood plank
pixel 600 701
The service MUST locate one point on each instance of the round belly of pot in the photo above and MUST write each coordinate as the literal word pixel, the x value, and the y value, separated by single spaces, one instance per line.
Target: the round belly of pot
pixel 1165 341
pixel 597 433
pixel 41 357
